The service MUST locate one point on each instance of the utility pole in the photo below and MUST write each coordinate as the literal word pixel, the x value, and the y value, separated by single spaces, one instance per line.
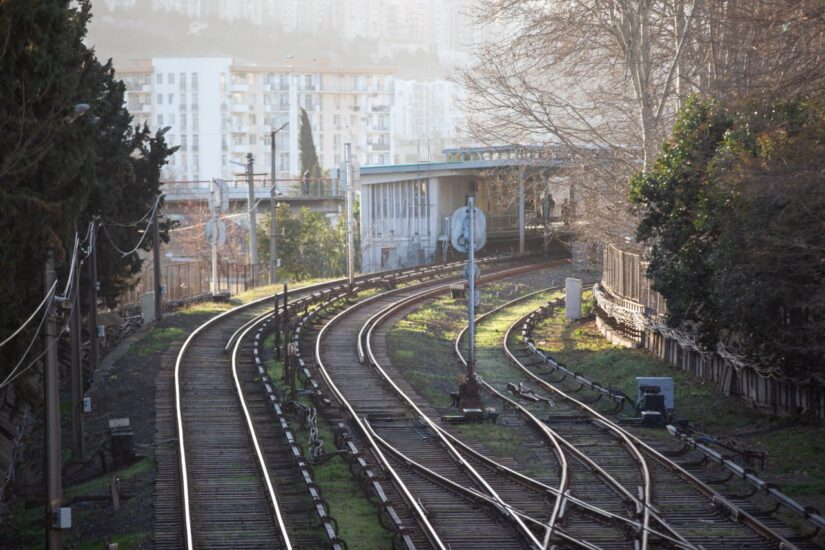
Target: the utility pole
pixel 213 207
pixel 51 389
pixel 156 259
pixel 77 371
pixel 350 238
pixel 521 207
pixel 253 228
pixel 273 227
pixel 273 258
pixel 92 328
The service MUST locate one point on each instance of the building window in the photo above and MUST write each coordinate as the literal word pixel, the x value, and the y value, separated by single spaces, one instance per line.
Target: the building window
pixel 252 119
pixel 195 142
pixel 183 81
pixel 183 141
pixel 194 122
pixel 160 120
pixel 171 78
pixel 183 121
pixel 194 81
pixel 160 78
pixel 160 99
pixel 252 139
pixel 170 99
pixel 172 120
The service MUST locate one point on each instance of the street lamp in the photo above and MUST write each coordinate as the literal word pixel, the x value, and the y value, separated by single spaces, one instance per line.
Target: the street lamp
pixel 273 262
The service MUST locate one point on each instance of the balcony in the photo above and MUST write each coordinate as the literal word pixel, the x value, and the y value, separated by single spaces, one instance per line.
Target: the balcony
pixel 238 87
pixel 239 108
pixel 380 147
pixel 239 129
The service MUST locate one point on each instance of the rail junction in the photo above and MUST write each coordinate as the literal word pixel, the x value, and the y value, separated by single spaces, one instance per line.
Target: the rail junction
pixel 245 480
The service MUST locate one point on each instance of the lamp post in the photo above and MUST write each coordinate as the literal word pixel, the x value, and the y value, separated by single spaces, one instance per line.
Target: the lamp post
pixel 273 261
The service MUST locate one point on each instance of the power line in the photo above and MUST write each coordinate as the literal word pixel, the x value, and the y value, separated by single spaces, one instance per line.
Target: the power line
pixel 14 374
pixel 27 321
pixel 153 213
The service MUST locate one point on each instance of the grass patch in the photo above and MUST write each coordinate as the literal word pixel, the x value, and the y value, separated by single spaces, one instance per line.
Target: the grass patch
pixel 794 449
pixel 268 290
pixel 101 483
pixel 156 340
pixel 28 524
pixel 356 516
pixel 126 541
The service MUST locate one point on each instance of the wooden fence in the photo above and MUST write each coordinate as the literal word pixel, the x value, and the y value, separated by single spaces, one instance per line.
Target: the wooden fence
pixel 624 277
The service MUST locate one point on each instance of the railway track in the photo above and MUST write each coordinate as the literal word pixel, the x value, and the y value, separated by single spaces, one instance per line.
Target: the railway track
pixel 237 488
pixel 687 510
pixel 431 461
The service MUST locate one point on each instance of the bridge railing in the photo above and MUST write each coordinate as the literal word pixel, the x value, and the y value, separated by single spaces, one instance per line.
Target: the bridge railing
pixel 287 188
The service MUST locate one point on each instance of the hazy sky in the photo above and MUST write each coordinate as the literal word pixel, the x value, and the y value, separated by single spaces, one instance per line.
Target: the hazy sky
pixel 421 37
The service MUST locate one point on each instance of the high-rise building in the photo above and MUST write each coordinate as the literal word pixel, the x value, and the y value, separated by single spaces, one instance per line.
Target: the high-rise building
pixel 218 110
pixel 427 118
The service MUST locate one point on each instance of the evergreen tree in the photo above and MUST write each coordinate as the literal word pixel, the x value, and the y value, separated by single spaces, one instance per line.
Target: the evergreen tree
pixel 733 209
pixel 57 172
pixel 309 158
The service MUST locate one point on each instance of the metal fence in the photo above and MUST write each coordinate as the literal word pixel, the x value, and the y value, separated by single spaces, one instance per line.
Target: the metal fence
pixel 180 281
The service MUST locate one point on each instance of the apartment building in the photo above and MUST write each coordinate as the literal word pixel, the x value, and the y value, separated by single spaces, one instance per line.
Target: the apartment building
pixel 218 110
pixel 427 118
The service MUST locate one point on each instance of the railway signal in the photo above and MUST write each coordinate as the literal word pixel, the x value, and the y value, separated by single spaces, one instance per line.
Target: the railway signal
pixel 468 235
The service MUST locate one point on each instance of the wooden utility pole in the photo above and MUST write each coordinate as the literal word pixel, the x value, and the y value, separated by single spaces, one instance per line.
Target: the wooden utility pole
pixel 156 259
pixel 77 370
pixel 51 391
pixel 92 326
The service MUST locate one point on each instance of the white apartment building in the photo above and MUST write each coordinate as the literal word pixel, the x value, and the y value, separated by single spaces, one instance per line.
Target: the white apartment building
pixel 219 110
pixel 427 118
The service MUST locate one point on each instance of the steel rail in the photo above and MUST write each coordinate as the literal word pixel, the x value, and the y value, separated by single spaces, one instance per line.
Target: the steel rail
pixel 552 437
pixel 485 499
pixel 375 321
pixel 273 500
pixel 645 501
pixel 716 497
pixel 374 278
pixel 185 492
pixel 540 425
pixel 412 502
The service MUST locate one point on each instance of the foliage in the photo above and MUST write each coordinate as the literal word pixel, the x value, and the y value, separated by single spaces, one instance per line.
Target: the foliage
pixel 307 244
pixel 309 158
pixel 733 209
pixel 57 172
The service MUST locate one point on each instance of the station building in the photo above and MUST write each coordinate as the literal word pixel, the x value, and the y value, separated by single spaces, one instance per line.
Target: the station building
pixel 523 191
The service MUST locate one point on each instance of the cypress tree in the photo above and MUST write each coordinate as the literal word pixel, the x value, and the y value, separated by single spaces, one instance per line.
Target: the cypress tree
pixel 309 158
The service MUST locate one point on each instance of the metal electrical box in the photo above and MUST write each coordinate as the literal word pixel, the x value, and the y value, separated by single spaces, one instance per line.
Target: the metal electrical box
pixel 665 385
pixel 62 518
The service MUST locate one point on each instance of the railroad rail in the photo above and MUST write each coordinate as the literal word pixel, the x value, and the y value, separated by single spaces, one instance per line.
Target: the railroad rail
pixel 227 491
pixel 377 405
pixel 718 521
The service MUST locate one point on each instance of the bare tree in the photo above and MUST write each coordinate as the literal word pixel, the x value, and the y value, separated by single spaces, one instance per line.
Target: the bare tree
pixel 605 78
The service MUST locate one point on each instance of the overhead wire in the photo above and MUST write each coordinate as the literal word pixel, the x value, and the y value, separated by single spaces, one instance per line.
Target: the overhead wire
pixel 49 295
pixel 153 213
pixel 15 374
